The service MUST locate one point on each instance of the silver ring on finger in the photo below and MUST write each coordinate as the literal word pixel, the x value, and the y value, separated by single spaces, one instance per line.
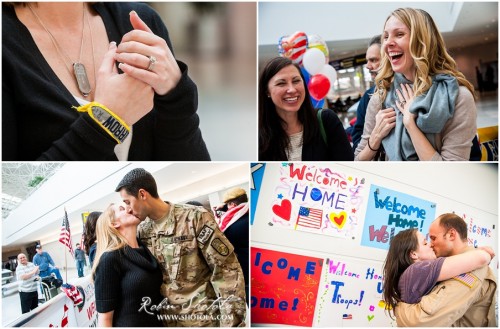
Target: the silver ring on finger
pixel 152 62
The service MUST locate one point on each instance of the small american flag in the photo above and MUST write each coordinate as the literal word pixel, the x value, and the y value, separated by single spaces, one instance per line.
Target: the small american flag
pixel 466 278
pixel 310 217
pixel 73 293
pixel 64 320
pixel 347 316
pixel 65 237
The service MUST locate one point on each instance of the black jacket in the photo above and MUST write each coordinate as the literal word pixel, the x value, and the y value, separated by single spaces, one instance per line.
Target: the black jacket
pixel 38 121
pixel 338 148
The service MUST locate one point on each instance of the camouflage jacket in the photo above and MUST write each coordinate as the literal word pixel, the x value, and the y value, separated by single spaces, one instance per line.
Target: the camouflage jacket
pixel 202 280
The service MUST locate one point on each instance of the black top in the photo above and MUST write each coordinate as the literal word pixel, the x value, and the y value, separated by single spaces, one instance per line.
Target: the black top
pixel 122 279
pixel 238 235
pixel 92 251
pixel 38 121
pixel 338 149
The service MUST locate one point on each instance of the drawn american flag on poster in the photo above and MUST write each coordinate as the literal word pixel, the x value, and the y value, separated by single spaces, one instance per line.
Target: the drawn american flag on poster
pixel 309 217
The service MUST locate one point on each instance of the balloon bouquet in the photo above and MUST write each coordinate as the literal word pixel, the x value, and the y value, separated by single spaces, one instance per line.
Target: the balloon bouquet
pixel 311 53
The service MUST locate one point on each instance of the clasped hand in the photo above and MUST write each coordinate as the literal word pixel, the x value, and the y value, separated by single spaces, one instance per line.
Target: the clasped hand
pixel 146 57
pixel 406 97
pixel 131 95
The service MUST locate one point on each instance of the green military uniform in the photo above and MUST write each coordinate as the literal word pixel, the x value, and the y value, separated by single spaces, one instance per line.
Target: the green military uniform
pixel 202 278
pixel 464 301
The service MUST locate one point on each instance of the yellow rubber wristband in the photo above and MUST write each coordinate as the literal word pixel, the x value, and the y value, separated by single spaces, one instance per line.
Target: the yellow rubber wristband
pixel 110 122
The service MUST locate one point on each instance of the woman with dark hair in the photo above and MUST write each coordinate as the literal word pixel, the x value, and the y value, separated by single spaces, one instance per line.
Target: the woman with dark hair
pixel 411 268
pixel 89 240
pixel 289 128
pixel 423 106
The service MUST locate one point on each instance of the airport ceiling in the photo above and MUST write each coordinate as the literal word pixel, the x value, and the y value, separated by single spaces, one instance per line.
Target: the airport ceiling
pixel 20 179
pixel 348 29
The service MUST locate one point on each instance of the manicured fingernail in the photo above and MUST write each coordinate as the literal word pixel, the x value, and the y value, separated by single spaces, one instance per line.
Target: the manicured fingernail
pixel 120 66
pixel 112 44
pixel 132 12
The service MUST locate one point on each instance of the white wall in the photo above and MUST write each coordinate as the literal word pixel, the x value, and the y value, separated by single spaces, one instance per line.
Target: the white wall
pixel 468 189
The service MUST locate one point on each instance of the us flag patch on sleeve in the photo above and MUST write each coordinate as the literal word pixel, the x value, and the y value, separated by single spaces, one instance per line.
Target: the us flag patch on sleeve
pixel 466 278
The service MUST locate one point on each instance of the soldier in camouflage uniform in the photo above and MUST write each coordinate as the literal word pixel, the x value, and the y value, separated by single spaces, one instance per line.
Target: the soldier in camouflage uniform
pixel 202 280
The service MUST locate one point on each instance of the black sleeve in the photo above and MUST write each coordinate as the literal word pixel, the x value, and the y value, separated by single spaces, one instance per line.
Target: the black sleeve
pixel 360 119
pixel 176 135
pixel 38 122
pixel 107 282
pixel 339 148
pixel 177 124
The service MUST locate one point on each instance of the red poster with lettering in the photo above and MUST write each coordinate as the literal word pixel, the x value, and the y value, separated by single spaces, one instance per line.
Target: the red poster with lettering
pixel 284 287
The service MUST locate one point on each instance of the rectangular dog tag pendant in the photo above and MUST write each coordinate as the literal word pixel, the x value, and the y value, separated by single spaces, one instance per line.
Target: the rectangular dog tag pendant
pixel 82 79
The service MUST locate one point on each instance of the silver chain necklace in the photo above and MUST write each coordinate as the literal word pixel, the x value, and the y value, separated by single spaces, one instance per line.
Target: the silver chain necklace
pixel 79 71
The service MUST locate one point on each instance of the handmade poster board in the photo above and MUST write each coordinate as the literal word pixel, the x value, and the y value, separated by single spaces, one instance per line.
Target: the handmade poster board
pixel 350 286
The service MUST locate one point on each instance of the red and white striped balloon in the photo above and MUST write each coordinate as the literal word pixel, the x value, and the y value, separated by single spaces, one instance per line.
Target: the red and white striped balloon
pixel 293 46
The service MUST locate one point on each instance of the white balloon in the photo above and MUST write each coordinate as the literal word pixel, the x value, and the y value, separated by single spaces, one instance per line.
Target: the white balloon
pixel 313 60
pixel 330 73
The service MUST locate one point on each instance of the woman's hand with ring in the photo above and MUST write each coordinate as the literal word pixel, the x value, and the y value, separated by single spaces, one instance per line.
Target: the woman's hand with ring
pixel 406 97
pixel 147 57
pixel 385 121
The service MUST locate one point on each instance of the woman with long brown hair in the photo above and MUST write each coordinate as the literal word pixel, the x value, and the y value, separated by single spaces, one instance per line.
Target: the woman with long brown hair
pixel 289 127
pixel 411 268
pixel 89 240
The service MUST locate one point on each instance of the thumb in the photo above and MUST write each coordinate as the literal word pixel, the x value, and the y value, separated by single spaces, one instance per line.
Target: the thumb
pixel 138 23
pixel 108 62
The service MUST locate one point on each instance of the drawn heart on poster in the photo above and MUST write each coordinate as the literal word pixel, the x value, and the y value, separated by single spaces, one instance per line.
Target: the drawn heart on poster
pixel 284 210
pixel 338 219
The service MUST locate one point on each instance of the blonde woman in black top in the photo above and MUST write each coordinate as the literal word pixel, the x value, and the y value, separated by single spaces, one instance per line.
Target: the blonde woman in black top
pixel 126 275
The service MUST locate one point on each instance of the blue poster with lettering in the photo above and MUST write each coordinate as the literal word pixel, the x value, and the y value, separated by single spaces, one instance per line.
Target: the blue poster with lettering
pixel 257 172
pixel 389 212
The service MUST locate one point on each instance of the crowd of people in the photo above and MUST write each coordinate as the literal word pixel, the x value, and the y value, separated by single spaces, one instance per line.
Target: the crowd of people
pixel 421 106
pixel 145 252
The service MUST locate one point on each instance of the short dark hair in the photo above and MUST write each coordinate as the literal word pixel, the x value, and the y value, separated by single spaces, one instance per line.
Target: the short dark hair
pixel 449 221
pixel 375 40
pixel 137 179
pixel 195 203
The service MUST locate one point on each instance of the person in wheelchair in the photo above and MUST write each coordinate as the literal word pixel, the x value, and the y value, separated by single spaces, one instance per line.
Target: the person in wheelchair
pixel 47 266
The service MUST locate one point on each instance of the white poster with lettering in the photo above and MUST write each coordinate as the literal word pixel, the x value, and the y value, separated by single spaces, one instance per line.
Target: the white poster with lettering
pixel 318 199
pixel 350 294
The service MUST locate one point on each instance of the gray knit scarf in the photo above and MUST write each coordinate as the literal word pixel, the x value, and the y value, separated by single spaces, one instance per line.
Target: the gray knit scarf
pixel 433 110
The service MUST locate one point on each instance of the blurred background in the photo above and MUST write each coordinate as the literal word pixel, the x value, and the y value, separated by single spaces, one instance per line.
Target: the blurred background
pixel 217 40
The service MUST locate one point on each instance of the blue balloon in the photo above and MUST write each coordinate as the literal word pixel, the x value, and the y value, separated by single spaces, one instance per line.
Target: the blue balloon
pixel 318 104
pixel 306 75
